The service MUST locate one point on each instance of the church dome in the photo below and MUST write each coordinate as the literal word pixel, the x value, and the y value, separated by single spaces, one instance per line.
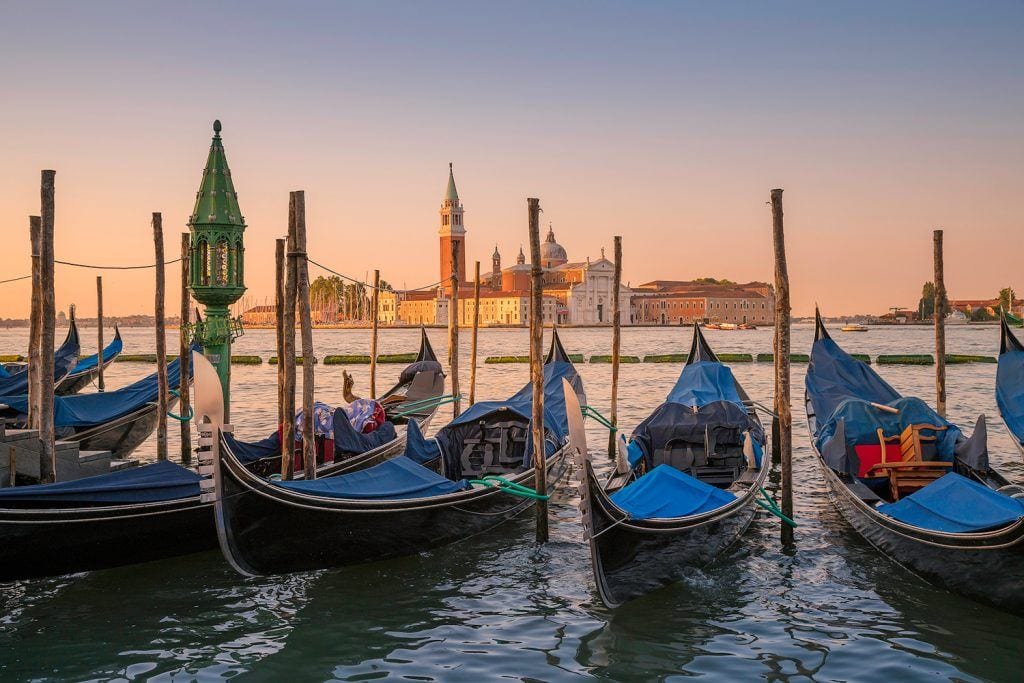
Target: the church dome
pixel 551 252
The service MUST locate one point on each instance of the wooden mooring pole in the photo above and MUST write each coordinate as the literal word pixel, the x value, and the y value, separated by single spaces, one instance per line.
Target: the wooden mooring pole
pixel 161 340
pixel 375 321
pixel 453 331
pixel 475 336
pixel 540 478
pixel 306 332
pixel 616 346
pixel 99 332
pixel 35 229
pixel 782 383
pixel 184 352
pixel 48 449
pixel 279 299
pixel 940 327
pixel 287 358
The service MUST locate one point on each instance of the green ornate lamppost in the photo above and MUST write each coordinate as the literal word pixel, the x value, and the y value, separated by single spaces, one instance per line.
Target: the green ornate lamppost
pixel 216 270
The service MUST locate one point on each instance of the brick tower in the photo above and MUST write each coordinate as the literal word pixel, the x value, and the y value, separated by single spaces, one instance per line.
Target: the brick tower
pixel 452 230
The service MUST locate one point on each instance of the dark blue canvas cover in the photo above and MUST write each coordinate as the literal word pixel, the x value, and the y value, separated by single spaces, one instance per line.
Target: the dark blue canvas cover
pixel 159 481
pixel 65 358
pixel 1010 391
pixel 556 423
pixel 396 479
pixel 704 382
pixel 419 448
pixel 247 452
pixel 665 492
pixel 87 363
pixel 86 410
pixel 955 504
pixel 348 441
pixel 841 387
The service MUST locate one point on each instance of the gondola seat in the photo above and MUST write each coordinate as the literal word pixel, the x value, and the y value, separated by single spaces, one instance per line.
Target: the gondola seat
pixel 396 479
pixel 955 504
pixel 665 492
pixel 911 472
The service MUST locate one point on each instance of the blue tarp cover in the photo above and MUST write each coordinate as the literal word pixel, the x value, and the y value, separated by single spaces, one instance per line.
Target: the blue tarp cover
pixel 146 484
pixel 64 359
pixel 86 410
pixel 665 492
pixel 250 451
pixel 395 479
pixel 419 448
pixel 862 421
pixel 834 376
pixel 1010 391
pixel 955 504
pixel 702 383
pixel 89 362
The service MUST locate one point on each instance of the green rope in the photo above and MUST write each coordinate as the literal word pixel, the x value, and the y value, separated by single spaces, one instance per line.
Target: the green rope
pixel 589 411
pixel 509 487
pixel 771 507
pixel 180 418
pixel 436 404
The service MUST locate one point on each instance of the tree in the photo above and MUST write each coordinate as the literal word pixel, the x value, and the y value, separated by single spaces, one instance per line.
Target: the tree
pixel 926 306
pixel 1006 297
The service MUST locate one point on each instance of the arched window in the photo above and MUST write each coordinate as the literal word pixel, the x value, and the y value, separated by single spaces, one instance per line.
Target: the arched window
pixel 220 265
pixel 204 262
pixel 239 264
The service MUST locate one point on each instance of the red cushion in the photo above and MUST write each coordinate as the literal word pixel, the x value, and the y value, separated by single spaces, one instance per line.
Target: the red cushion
pixel 872 455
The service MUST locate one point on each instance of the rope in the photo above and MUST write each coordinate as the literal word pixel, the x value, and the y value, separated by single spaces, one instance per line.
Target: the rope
pixel 510 487
pixel 179 418
pixel 94 267
pixel 593 412
pixel 771 507
pixel 367 284
pixel 15 279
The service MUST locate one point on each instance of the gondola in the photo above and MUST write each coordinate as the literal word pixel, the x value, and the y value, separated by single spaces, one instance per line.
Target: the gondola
pixel 684 486
pixel 1010 383
pixel 87 369
pixel 118 421
pixel 138 514
pixel 421 499
pixel 911 483
pixel 414 397
pixel 14 380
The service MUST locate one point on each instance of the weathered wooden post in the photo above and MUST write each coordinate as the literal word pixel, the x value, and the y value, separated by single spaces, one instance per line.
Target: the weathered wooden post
pixel 35 228
pixel 453 330
pixel 940 328
pixel 540 478
pixel 48 449
pixel 616 344
pixel 99 331
pixel 279 306
pixel 161 340
pixel 306 325
pixel 185 354
pixel 476 334
pixel 375 319
pixel 287 358
pixel 782 388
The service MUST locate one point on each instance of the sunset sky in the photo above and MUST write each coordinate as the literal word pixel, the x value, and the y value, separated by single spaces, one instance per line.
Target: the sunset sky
pixel 667 123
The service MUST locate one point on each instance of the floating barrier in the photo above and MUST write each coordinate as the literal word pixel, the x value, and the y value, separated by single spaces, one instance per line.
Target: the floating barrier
pixel 12 358
pixel 608 359
pixel 347 359
pixel 735 357
pixel 907 359
pixel 246 360
pixel 793 358
pixel 667 358
pixel 298 360
pixel 959 359
pixel 506 359
pixel 403 358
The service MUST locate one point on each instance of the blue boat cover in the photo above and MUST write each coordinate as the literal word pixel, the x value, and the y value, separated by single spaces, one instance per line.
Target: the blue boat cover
pixel 862 421
pixel 834 376
pixel 86 410
pixel 955 504
pixel 556 422
pixel 665 493
pixel 146 484
pixel 87 363
pixel 419 448
pixel 396 479
pixel 347 440
pixel 1010 391
pixel 704 382
pixel 64 359
pixel 247 452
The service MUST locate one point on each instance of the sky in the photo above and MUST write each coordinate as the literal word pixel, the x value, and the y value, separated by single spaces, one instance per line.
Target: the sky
pixel 665 122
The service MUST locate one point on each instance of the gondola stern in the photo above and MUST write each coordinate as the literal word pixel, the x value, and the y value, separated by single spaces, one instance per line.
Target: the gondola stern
pixel 1007 339
pixel 426 350
pixel 819 326
pixel 700 350
pixel 557 351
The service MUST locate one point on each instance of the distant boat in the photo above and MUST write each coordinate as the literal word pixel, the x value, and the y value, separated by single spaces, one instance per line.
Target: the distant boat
pixel 729 326
pixel 957 318
pixel 854 327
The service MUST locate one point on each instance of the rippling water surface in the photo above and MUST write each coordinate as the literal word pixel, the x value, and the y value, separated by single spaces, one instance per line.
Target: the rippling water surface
pixel 500 607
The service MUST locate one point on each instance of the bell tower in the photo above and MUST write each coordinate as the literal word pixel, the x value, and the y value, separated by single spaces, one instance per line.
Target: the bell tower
pixel 452 230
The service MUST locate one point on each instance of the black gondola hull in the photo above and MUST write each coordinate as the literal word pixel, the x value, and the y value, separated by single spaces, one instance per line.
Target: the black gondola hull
pixel 987 567
pixel 37 543
pixel 121 436
pixel 266 530
pixel 633 558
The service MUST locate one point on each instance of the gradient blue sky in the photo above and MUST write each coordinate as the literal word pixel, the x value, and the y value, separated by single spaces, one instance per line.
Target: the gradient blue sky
pixel 667 123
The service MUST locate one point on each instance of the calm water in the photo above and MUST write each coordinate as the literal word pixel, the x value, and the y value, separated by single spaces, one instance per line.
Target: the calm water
pixel 500 607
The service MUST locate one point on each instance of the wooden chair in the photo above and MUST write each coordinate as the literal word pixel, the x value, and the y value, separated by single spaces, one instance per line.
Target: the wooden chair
pixel 910 473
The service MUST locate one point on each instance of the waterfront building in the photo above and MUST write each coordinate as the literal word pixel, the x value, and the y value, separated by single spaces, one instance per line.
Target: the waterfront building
pixel 676 302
